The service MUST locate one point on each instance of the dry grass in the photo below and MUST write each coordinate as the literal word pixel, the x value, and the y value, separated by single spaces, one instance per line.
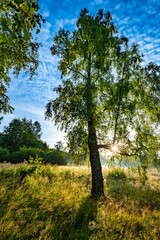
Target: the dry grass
pixel 54 203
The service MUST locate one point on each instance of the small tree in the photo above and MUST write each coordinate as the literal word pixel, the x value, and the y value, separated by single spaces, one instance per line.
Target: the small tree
pixel 59 146
pixel 104 100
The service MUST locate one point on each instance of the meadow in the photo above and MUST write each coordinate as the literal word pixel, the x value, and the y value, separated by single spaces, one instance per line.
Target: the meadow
pixel 53 202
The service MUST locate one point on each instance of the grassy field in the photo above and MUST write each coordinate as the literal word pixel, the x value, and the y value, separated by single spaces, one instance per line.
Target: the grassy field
pixel 54 203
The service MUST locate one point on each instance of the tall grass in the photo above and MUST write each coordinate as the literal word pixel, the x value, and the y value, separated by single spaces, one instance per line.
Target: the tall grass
pixel 54 203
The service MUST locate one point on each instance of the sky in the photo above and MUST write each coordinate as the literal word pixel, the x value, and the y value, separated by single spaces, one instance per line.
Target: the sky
pixel 139 20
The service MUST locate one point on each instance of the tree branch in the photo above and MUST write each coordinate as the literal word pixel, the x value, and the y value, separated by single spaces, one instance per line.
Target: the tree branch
pixel 121 152
pixel 106 146
pixel 76 72
pixel 120 162
pixel 127 154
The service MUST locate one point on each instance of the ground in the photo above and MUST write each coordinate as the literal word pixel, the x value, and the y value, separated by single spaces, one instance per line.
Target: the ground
pixel 54 202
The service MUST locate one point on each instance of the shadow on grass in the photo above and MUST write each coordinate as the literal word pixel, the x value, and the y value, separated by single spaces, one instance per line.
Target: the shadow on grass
pixel 143 195
pixel 84 221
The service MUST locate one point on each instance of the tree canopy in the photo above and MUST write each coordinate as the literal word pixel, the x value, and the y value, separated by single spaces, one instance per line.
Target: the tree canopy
pixel 21 133
pixel 107 98
pixel 18 49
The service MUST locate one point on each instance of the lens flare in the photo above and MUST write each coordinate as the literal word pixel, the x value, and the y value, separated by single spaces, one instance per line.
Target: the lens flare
pixel 114 148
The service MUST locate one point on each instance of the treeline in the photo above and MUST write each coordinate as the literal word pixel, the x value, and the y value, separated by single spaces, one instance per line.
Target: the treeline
pixel 22 139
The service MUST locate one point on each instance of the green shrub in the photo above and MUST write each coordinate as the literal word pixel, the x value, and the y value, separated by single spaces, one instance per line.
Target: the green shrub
pixel 21 168
pixel 4 155
pixel 52 157
pixel 116 174
pixel 55 157
pixel 24 153
pixel 36 163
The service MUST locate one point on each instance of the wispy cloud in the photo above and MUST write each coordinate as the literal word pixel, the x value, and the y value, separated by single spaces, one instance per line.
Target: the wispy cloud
pixel 30 108
pixel 45 14
pixel 98 1
pixel 138 20
pixel 61 23
pixel 117 7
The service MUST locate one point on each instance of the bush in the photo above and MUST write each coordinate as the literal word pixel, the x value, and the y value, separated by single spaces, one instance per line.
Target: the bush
pixel 36 163
pixel 116 174
pixel 55 157
pixel 24 153
pixel 4 155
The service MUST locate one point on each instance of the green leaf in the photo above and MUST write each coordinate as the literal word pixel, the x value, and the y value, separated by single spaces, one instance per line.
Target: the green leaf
pixel 37 31
pixel 2 37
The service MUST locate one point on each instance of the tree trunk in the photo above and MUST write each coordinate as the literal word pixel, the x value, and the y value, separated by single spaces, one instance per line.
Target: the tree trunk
pixel 97 178
pixel 96 169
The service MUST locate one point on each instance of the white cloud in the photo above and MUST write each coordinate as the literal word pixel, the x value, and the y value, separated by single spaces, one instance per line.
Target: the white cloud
pixel 29 97
pixel 71 21
pixel 140 43
pixel 156 41
pixel 117 7
pixel 48 25
pixel 46 14
pixel 35 111
pixel 44 34
pixel 148 39
pixel 98 1
pixel 115 18
pixel 124 21
pixel 29 108
pixel 62 22
pixel 148 46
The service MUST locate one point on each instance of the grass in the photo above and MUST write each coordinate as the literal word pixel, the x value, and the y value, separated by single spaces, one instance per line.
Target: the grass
pixel 54 203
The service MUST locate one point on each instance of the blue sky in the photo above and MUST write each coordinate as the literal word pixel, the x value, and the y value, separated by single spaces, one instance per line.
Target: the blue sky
pixel 139 20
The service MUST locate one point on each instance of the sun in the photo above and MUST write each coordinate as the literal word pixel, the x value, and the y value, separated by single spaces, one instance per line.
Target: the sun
pixel 114 148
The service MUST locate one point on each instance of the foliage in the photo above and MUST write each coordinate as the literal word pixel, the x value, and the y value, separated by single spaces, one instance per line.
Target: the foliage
pixel 47 172
pixel 36 162
pixel 50 206
pixel 106 97
pixel 59 146
pixel 22 132
pixel 156 161
pixel 55 157
pixel 117 174
pixel 25 153
pixel 5 155
pixel 1 139
pixel 18 49
pixel 22 139
pixel 29 153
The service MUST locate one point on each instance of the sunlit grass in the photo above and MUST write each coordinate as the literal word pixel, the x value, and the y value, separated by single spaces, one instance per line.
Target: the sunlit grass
pixel 55 203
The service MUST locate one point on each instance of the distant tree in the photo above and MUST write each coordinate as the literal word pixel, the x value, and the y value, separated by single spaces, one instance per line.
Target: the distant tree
pixel 24 153
pixel 4 155
pixel 1 138
pixel 106 99
pixel 55 157
pixel 59 146
pixel 22 133
pixel 18 50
